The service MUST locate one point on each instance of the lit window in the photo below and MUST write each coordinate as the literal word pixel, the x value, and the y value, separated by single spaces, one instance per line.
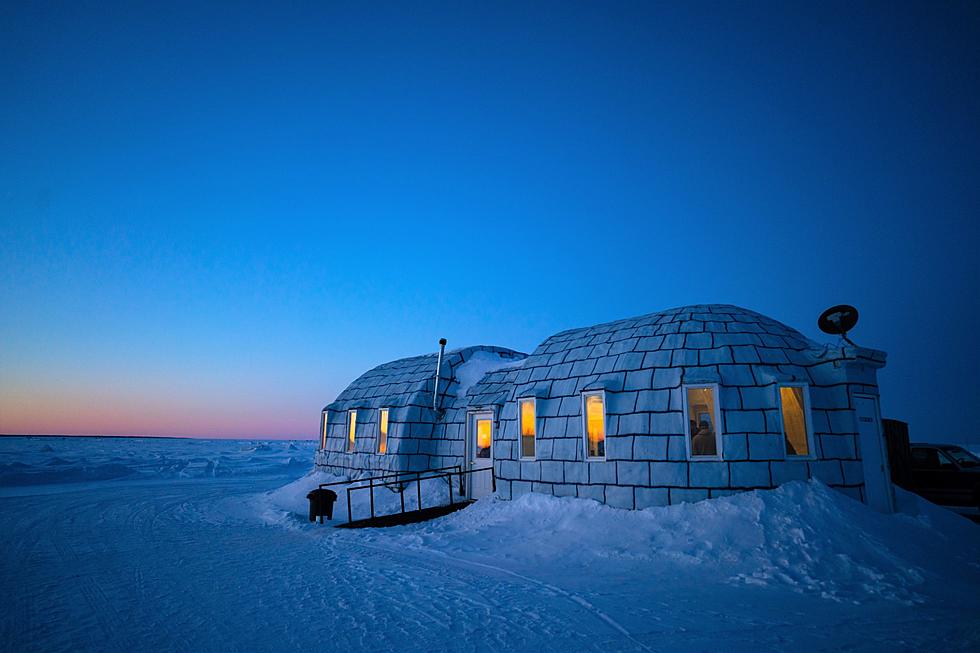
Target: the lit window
pixel 383 430
pixel 701 412
pixel 351 427
pixel 594 416
pixel 323 434
pixel 483 438
pixel 793 405
pixel 527 428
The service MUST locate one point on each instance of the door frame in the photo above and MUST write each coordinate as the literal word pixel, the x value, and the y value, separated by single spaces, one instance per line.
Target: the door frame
pixel 882 447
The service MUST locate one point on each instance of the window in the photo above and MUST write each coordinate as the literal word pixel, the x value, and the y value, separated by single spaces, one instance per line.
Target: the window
pixel 351 427
pixel 962 457
pixel 383 430
pixel 528 427
pixel 927 458
pixel 594 423
pixel 323 429
pixel 484 437
pixel 701 415
pixel 794 408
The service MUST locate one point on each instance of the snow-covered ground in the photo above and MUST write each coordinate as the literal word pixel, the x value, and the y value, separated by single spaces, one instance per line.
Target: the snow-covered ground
pixel 205 545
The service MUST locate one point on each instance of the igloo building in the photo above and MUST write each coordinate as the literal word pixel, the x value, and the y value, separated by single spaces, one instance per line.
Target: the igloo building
pixel 681 405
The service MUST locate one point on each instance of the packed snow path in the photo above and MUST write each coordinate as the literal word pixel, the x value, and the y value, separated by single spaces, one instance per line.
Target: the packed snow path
pixel 185 558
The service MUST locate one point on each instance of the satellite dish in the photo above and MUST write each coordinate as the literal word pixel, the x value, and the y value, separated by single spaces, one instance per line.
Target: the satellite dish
pixel 838 320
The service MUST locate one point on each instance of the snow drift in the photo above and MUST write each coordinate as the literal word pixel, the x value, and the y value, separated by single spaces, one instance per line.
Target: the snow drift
pixel 802 536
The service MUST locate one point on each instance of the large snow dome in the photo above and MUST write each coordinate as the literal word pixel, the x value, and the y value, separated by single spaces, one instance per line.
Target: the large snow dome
pixel 681 338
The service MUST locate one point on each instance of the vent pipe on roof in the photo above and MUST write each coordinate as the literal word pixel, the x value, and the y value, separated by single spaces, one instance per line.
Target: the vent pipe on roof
pixel 435 393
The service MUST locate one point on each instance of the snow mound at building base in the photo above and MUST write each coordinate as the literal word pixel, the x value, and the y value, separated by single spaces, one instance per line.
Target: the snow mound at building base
pixel 804 536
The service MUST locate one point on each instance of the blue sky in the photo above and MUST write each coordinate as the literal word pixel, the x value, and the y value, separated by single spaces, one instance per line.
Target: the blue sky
pixel 215 217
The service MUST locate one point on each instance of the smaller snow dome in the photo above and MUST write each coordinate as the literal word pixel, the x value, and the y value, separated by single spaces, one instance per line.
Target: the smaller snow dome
pixel 409 382
pixel 399 395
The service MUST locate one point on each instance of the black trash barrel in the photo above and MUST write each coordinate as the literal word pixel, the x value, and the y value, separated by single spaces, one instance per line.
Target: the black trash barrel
pixel 321 503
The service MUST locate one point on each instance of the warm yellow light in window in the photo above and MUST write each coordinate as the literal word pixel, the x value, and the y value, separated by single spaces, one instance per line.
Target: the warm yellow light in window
pixel 483 433
pixel 351 427
pixel 323 436
pixel 527 428
pixel 794 420
pixel 595 424
pixel 527 417
pixel 383 431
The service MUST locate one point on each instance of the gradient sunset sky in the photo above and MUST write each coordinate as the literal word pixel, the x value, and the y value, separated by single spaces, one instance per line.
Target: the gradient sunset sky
pixel 213 219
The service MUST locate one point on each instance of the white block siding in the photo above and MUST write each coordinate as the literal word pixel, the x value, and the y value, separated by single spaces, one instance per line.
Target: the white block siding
pixel 418 437
pixel 641 364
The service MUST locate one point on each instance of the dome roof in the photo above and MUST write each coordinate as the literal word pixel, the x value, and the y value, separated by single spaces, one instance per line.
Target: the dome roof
pixel 409 381
pixel 698 318
pixel 704 343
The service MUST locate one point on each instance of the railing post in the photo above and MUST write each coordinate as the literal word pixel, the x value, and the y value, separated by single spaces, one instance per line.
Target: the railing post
pixel 372 498
pixel 493 479
pixel 418 488
pixel 449 481
pixel 349 516
pixel 401 494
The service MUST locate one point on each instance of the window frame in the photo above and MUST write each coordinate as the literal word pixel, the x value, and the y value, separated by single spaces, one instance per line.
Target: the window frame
pixel 351 430
pixel 719 432
pixel 387 421
pixel 520 429
pixel 807 418
pixel 585 425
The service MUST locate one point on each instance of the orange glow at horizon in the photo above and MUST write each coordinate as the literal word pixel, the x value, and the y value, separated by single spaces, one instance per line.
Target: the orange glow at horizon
pixel 118 410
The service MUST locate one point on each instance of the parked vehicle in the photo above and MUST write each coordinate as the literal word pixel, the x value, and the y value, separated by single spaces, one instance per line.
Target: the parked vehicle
pixel 946 474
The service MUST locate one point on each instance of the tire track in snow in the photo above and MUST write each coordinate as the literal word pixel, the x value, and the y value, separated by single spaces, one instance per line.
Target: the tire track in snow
pixel 459 591
pixel 570 596
pixel 94 596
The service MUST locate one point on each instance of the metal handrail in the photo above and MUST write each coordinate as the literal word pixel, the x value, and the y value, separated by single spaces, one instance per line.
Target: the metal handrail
pixel 388 475
pixel 419 476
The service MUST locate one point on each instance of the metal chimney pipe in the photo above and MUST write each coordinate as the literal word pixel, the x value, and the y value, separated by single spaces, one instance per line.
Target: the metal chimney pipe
pixel 435 393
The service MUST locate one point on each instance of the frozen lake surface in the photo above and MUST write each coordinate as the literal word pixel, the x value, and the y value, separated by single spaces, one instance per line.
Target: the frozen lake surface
pixel 195 545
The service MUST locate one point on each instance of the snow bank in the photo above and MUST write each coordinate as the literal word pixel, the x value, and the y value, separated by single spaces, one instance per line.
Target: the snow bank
pixel 479 365
pixel 802 536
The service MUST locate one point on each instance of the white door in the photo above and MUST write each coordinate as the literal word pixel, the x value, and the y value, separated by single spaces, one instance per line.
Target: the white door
pixel 874 455
pixel 480 455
